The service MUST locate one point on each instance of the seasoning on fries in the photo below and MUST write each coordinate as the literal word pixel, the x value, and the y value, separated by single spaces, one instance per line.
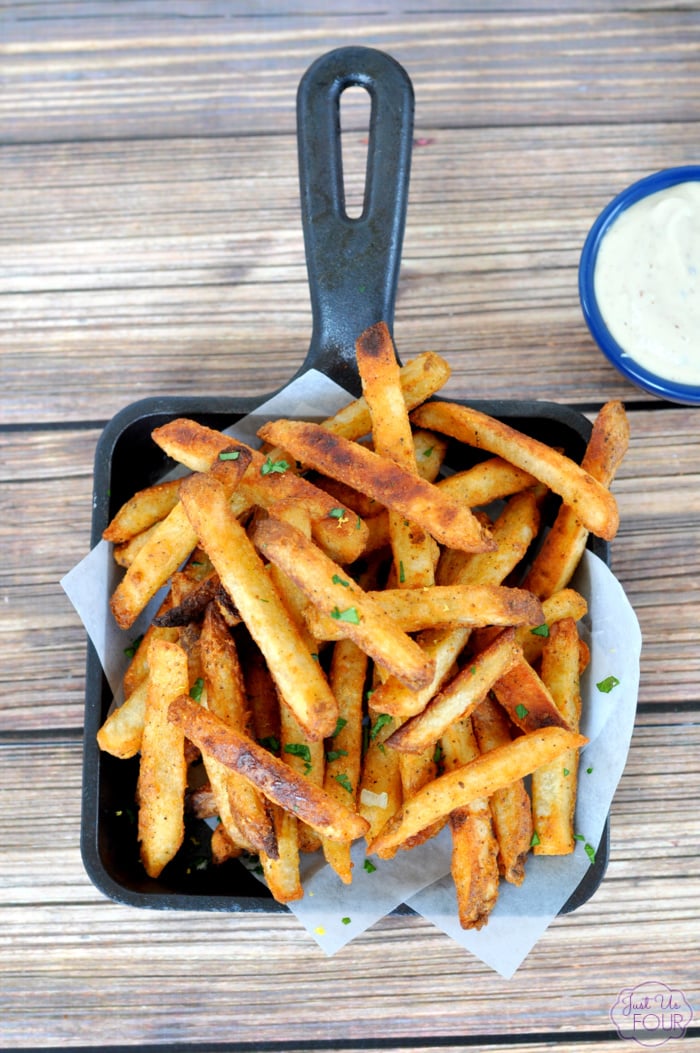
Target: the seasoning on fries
pixel 352 645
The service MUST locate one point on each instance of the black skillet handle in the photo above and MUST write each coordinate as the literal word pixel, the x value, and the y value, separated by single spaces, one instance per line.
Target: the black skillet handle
pixel 353 262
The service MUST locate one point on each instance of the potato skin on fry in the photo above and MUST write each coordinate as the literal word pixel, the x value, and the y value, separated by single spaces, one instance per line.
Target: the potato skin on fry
pixel 280 783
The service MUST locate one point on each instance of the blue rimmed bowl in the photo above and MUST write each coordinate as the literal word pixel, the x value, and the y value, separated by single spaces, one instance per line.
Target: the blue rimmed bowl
pixel 621 357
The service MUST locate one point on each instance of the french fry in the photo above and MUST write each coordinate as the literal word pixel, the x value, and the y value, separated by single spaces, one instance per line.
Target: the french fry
pixel 591 501
pixel 443 606
pixel 125 552
pixel 487 481
pixel 526 700
pixel 448 521
pixel 567 603
pixel 282 872
pixel 562 548
pixel 142 511
pixel 460 697
pixel 240 806
pixel 474 863
pixel 348 674
pixel 122 731
pixel 298 677
pixel 554 785
pixel 510 804
pixel 272 776
pixel 335 593
pixel 381 787
pixel 162 779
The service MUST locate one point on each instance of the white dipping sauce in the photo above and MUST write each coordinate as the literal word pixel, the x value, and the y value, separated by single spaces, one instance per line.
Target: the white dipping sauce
pixel 647 282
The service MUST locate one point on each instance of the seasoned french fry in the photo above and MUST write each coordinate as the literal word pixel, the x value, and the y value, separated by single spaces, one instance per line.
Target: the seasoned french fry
pixel 562 548
pixel 448 521
pixel 126 552
pixel 142 511
pixel 162 779
pixel 282 872
pixel 443 605
pixel 510 804
pixel 122 731
pixel 460 697
pixel 526 699
pixel 381 788
pixel 591 501
pixel 487 481
pixel 554 785
pixel 272 776
pixel 337 595
pixel 298 677
pixel 567 603
pixel 474 846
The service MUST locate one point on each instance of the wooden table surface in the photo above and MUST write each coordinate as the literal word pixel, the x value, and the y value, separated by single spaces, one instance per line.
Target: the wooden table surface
pixel 150 244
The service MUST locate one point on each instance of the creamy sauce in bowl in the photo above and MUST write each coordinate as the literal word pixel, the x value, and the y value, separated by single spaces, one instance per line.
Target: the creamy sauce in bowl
pixel 647 282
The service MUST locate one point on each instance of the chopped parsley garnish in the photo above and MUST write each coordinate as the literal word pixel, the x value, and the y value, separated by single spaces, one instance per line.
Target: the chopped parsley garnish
pixel 344 781
pixel 196 689
pixel 346 921
pixel 348 615
pixel 339 726
pixel 535 839
pixel 402 573
pixel 332 755
pixel 382 720
pixel 274 466
pixel 300 749
pixel 566 771
pixel 588 849
pixel 369 866
pixel 608 684
pixel 428 451
pixel 337 580
pixel 229 455
pixel 133 647
pixel 540 630
pixel 589 770
pixel 521 711
pixel 271 743
pixel 337 513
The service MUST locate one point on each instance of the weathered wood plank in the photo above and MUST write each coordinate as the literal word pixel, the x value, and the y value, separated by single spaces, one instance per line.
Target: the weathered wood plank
pixel 103 75
pixel 78 961
pixel 152 269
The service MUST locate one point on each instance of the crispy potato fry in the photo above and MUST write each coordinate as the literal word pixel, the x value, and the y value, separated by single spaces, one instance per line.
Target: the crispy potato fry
pixel 122 731
pixel 554 785
pixel 567 603
pixel 337 595
pixel 282 872
pixel 562 548
pixel 590 500
pixel 460 697
pixel 526 699
pixel 480 778
pixel 162 779
pixel 448 521
pixel 340 532
pixel 298 677
pixel 381 788
pixel 126 551
pixel 142 511
pixel 474 864
pixel 272 776
pixel 443 605
pixel 223 846
pixel 487 481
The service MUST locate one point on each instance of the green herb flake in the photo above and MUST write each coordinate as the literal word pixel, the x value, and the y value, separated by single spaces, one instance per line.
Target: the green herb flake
pixel 566 771
pixel 315 656
pixel 590 852
pixel 339 726
pixel 382 720
pixel 344 781
pixel 540 630
pixel 271 466
pixel 332 755
pixel 369 866
pixel 535 839
pixel 345 921
pixel 589 771
pixel 300 749
pixel 608 684
pixel 133 647
pixel 521 711
pixel 337 513
pixel 271 743
pixel 337 580
pixel 348 615
pixel 402 572
pixel 229 455
pixel 427 452
pixel 196 689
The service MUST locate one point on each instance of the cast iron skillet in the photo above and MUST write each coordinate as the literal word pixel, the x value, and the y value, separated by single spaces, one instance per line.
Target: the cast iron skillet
pixel 353 266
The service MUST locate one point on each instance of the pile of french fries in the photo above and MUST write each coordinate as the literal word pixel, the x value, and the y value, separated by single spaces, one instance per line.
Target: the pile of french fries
pixel 355 643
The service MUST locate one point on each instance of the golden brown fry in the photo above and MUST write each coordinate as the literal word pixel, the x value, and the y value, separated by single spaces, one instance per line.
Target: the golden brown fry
pixel 381 790
pixel 223 846
pixel 554 785
pixel 335 593
pixel 298 677
pixel 443 605
pixel 460 697
pixel 448 521
pixel 510 804
pixel 487 481
pixel 272 776
pixel 591 501
pixel 162 779
pixel 126 552
pixel 562 548
pixel 282 872
pixel 567 603
pixel 122 731
pixel 526 699
pixel 142 511
pixel 480 778
pixel 474 846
